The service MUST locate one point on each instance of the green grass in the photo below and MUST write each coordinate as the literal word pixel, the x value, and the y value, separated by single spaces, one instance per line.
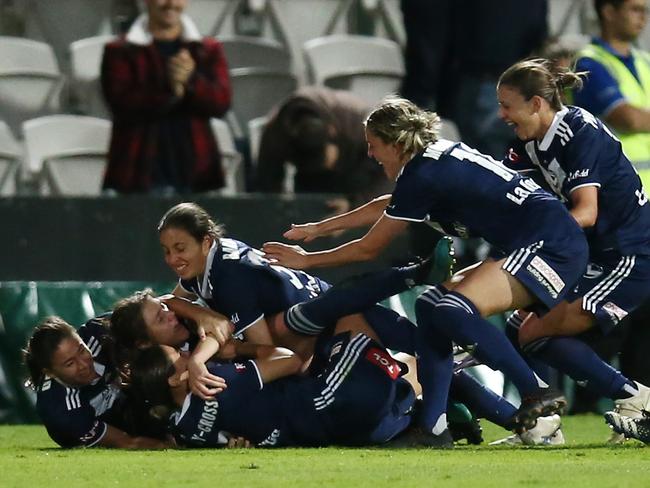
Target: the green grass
pixel 29 458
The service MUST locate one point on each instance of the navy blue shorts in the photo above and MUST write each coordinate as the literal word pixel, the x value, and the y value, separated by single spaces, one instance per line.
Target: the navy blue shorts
pixel 612 286
pixel 548 271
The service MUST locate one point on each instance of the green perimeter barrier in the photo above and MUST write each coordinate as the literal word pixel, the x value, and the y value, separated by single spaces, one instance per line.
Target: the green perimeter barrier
pixel 23 304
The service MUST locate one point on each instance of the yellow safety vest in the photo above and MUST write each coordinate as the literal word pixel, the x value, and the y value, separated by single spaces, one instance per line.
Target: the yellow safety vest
pixel 636 145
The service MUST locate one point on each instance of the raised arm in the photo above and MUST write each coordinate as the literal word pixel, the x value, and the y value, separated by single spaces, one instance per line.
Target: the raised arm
pixel 364 249
pixel 362 216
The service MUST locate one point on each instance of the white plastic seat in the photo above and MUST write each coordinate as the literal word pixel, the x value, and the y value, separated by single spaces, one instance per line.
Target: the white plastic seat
pixel 67 153
pixel 255 131
pixel 30 81
pixel 213 17
pixel 61 22
pixel 370 67
pixel 387 20
pixel 297 21
pixel 231 158
pixel 449 130
pixel 85 67
pixel 255 92
pixel 250 52
pixel 10 157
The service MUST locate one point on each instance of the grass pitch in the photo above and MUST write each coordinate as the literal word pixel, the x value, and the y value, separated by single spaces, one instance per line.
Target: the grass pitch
pixel 29 459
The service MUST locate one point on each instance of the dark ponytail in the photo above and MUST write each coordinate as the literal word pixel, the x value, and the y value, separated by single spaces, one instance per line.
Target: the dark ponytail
pixel 40 347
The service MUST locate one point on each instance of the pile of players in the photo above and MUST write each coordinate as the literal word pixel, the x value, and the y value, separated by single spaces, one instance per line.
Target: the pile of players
pixel 277 357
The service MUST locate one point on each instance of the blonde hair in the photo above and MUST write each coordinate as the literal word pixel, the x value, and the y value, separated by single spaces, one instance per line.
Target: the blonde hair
pixel 399 121
pixel 543 78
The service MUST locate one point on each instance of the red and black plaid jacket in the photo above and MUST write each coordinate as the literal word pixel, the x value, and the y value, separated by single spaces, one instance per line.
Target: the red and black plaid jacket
pixel 137 89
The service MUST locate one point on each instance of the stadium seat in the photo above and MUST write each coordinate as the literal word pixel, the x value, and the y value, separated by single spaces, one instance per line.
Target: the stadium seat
pixel 386 18
pixel 67 153
pixel 255 92
pixel 255 130
pixel 61 22
pixel 297 21
pixel 449 130
pixel 370 67
pixel 231 158
pixel 10 157
pixel 30 81
pixel 250 52
pixel 213 17
pixel 85 66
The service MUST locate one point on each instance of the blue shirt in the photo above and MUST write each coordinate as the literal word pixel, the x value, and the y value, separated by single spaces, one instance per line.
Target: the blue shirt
pixel 579 150
pixel 600 93
pixel 240 283
pixel 280 413
pixel 473 195
pixel 77 416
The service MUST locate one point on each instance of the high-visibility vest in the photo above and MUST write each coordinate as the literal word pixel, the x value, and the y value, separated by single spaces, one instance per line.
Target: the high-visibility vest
pixel 636 145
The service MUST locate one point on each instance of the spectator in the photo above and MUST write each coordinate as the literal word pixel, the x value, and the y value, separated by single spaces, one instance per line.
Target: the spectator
pixel 163 82
pixel 488 40
pixel 320 131
pixel 619 78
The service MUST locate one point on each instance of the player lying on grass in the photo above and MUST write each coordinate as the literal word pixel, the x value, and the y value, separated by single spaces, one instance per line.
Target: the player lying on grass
pixel 78 394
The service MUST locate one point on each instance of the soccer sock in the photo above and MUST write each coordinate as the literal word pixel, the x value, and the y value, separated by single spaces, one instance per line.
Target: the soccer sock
pixel 481 401
pixel 435 363
pixel 456 317
pixel 351 296
pixel 394 331
pixel 573 357
pixel 513 323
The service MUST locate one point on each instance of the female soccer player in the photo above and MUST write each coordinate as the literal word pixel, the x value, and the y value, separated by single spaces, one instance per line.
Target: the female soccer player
pixel 584 164
pixel 469 194
pixel 77 390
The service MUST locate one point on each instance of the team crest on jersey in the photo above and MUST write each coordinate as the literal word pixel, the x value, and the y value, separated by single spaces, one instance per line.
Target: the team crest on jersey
pixel 513 156
pixel 239 367
pixel 615 312
pixel 91 434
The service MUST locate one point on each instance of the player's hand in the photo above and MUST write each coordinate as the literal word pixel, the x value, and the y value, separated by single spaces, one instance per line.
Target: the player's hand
pixel 286 255
pixel 238 443
pixel 215 325
pixel 203 383
pixel 302 232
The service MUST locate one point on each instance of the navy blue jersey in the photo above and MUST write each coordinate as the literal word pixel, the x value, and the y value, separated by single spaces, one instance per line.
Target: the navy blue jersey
pixel 76 416
pixel 240 283
pixel 473 195
pixel 577 151
pixel 352 401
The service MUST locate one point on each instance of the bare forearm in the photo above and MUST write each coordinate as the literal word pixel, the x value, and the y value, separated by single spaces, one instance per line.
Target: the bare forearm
pixel 362 216
pixel 626 118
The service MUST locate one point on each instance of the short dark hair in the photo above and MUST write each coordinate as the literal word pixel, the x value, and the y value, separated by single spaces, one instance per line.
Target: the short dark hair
pixel 308 134
pixel 193 219
pixel 42 344
pixel 599 4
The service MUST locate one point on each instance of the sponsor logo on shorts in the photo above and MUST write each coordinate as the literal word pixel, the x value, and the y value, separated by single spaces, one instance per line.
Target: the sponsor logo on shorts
pixel 615 312
pixel 537 275
pixel 547 272
pixel 384 361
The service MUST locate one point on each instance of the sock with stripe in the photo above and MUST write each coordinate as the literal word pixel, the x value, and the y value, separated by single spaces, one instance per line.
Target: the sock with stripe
pixel 482 401
pixel 353 295
pixel 435 363
pixel 456 317
pixel 576 359
pixel 512 333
